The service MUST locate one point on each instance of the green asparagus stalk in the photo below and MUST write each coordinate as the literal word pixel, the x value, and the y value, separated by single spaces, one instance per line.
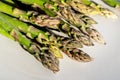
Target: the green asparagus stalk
pixel 112 3
pixel 8 2
pixel 3 32
pixel 45 56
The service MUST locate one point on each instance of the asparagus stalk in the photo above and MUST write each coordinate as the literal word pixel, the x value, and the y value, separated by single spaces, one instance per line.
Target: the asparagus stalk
pixel 3 32
pixel 112 3
pixel 48 60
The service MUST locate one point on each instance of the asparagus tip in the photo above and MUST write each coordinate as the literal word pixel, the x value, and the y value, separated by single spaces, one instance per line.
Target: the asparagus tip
pixel 78 55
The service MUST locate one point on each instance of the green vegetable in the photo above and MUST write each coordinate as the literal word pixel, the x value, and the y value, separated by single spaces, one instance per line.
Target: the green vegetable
pixel 89 7
pixel 44 21
pixel 38 25
pixel 42 54
pixel 51 43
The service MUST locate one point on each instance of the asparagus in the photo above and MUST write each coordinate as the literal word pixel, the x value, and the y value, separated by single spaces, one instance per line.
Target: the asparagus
pixel 85 40
pixel 55 8
pixel 53 41
pixel 112 3
pixel 44 55
pixel 28 16
pixel 90 8
pixel 44 45
pixel 30 31
pixel 86 19
pixel 44 20
pixel 48 60
pixel 3 32
pixel 85 28
pixel 70 15
pixel 67 13
pixel 78 55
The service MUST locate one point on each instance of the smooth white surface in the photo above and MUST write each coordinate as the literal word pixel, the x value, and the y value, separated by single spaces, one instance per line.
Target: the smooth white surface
pixel 17 64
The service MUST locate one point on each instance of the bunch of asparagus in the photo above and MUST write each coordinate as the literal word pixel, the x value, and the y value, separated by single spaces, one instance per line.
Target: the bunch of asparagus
pixel 48 28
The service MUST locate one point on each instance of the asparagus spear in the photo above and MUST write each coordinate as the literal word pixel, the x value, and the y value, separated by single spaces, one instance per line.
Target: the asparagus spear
pixel 44 55
pixel 77 54
pixel 112 3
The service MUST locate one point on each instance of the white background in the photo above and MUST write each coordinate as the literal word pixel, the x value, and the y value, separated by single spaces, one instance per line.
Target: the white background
pixel 17 64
